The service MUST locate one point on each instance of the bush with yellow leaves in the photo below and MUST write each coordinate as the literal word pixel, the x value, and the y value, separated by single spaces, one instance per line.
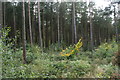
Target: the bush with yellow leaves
pixel 72 49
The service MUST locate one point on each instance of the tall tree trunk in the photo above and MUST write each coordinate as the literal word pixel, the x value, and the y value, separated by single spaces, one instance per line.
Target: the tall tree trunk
pixel 61 30
pixel 61 14
pixel 119 11
pixel 1 24
pixel 1 19
pixel 91 28
pixel 91 32
pixel 24 35
pixel 74 23
pixel 99 35
pixel 118 26
pixel 33 27
pixel 31 39
pixel 4 22
pixel 40 33
pixel 58 24
pixel 51 23
pixel 14 19
pixel 46 34
pixel 115 19
pixel 43 31
pixel 116 30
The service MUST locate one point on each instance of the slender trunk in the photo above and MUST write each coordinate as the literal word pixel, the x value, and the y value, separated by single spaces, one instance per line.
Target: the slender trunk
pixel 24 35
pixel 58 25
pixel 46 34
pixel 63 28
pixel 51 23
pixel 4 22
pixel 99 37
pixel 91 33
pixel 14 19
pixel 91 29
pixel 31 39
pixel 108 37
pixel 62 21
pixel 33 27
pixel 119 11
pixel 1 19
pixel 40 33
pixel 67 38
pixel 74 23
pixel 1 24
pixel 116 29
pixel 61 31
pixel 116 33
pixel 43 31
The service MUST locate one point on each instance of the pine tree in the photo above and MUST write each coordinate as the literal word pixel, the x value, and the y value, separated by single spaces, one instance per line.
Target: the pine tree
pixel 39 22
pixel 1 22
pixel 30 26
pixel 24 34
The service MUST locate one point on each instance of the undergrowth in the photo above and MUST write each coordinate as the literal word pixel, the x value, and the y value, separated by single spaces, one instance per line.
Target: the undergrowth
pixel 51 64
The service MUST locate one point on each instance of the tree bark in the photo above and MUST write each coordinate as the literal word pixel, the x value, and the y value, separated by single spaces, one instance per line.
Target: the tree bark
pixel 1 24
pixel 91 33
pixel 31 39
pixel 40 33
pixel 24 35
pixel 46 34
pixel 43 31
pixel 91 28
pixel 14 19
pixel 1 19
pixel 74 23
pixel 4 22
pixel 58 24
pixel 51 24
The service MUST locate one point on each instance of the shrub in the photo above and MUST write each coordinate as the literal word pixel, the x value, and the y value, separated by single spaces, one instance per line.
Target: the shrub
pixel 106 50
pixel 71 69
pixel 72 49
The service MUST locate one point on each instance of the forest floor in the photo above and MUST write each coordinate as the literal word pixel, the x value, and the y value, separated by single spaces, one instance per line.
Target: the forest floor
pixel 51 64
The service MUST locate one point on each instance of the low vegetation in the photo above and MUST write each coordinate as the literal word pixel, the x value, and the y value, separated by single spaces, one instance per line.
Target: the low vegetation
pixel 51 64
